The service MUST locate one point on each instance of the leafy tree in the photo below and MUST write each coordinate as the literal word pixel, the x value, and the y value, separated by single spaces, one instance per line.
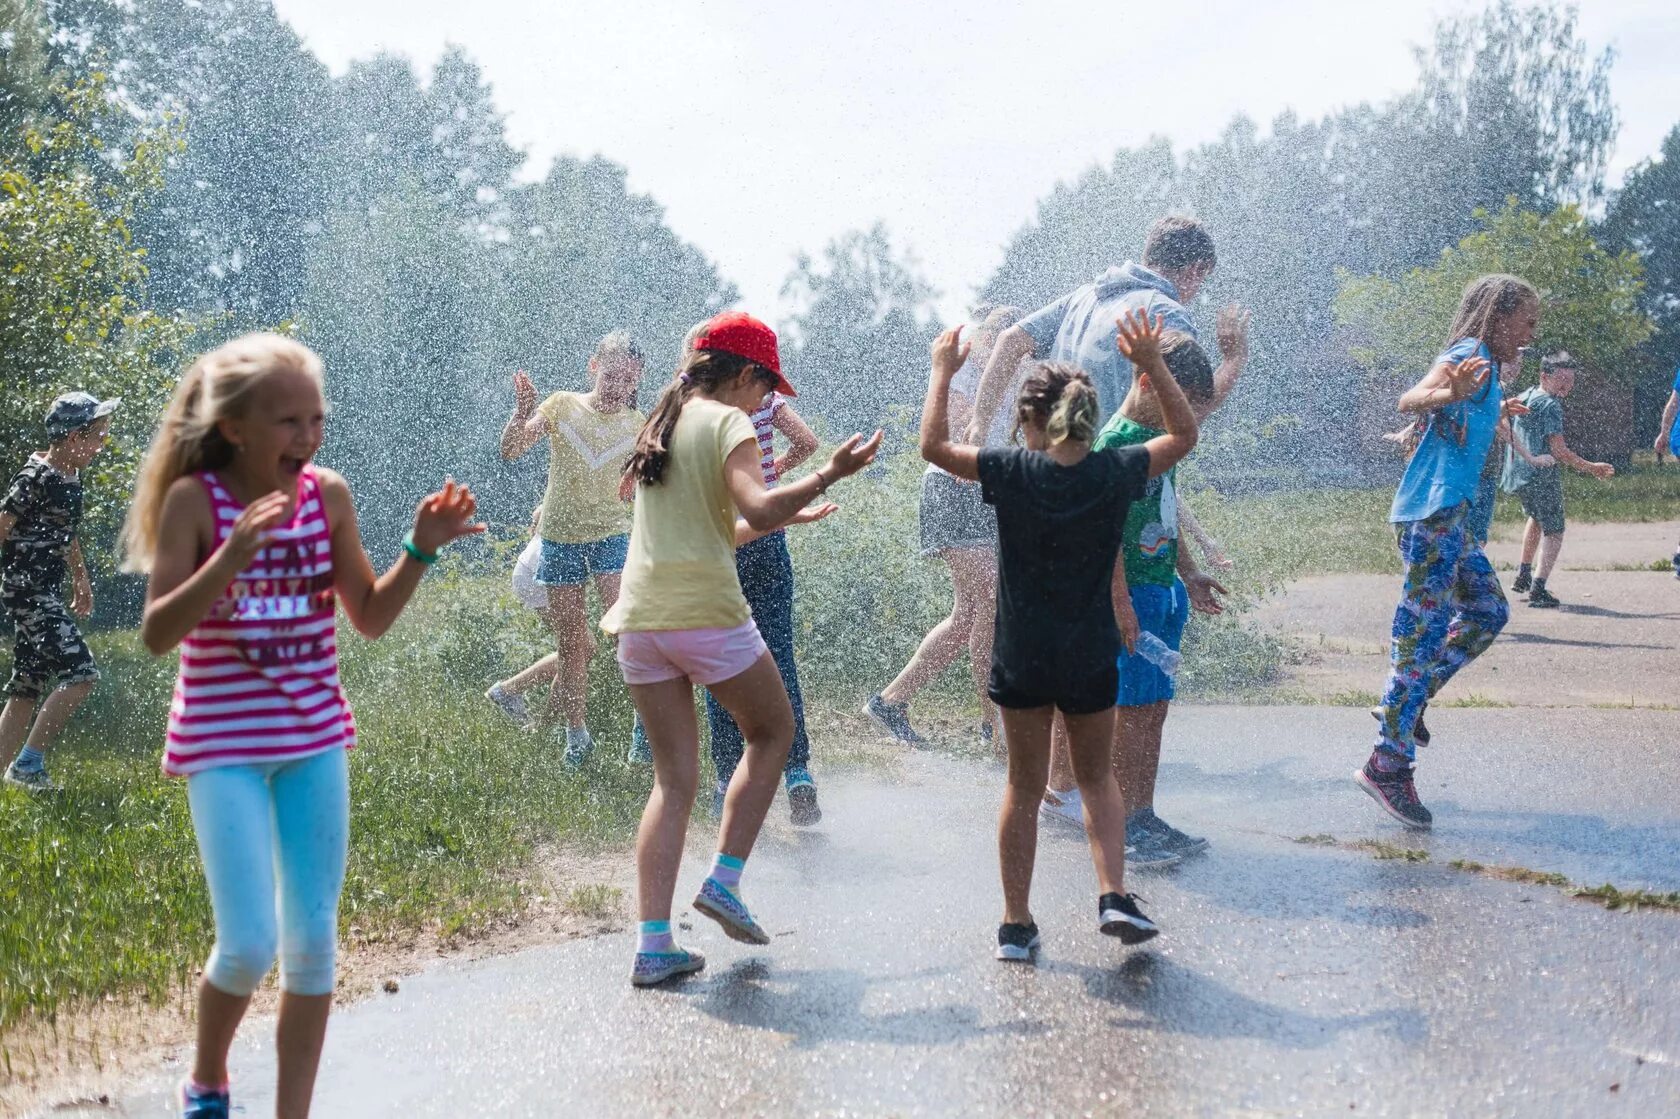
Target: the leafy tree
pixel 1645 218
pixel 73 302
pixel 1591 296
pixel 857 346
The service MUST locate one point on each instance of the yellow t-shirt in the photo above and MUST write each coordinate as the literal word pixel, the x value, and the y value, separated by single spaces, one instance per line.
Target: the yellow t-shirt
pixel 586 453
pixel 681 570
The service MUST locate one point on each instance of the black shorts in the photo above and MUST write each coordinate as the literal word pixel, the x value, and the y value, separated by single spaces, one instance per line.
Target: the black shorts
pixel 1088 696
pixel 1542 499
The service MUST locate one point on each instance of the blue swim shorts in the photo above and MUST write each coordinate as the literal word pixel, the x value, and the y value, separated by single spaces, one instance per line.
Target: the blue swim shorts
pixel 1162 611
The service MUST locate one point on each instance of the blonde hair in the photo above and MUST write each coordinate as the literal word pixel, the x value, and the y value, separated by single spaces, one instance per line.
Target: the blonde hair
pixel 1061 397
pixel 1487 299
pixel 218 386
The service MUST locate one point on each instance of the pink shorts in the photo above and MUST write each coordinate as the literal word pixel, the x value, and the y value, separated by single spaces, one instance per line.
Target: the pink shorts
pixel 705 656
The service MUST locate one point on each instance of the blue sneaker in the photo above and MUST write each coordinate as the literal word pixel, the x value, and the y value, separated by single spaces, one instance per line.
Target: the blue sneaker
pixel 579 745
pixel 641 753
pixel 202 1105
pixel 716 902
pixel 1146 850
pixel 652 968
pixel 894 718
pixel 803 810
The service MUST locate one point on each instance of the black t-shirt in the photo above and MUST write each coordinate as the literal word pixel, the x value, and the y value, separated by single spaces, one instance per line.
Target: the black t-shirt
pixel 1058 537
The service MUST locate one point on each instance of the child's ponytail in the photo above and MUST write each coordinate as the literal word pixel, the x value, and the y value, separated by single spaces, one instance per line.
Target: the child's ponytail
pixel 1062 398
pixel 1075 414
pixel 216 387
pixel 700 369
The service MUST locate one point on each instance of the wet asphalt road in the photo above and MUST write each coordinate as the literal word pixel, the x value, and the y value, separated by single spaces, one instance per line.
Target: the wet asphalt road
pixel 1290 979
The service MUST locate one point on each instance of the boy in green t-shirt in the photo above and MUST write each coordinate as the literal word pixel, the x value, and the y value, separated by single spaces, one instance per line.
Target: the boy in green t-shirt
pixel 1533 473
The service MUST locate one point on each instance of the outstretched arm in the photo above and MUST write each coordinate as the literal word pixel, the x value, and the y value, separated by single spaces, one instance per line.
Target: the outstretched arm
pixel 1013 346
pixel 959 459
pixel 1446 383
pixel 802 441
pixel 1232 331
pixel 1211 550
pixel 1561 452
pixel 764 509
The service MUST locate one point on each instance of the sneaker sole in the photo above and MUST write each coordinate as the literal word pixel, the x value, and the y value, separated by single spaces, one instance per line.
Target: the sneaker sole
pixel 1376 794
pixel 694 963
pixel 732 928
pixel 1127 928
pixel 1153 862
pixel 1015 954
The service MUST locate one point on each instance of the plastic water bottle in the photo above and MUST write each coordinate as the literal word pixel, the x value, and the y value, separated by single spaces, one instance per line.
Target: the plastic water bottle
pixel 1158 653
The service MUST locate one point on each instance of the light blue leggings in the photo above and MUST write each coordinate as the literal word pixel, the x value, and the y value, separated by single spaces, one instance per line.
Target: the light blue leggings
pixel 268 822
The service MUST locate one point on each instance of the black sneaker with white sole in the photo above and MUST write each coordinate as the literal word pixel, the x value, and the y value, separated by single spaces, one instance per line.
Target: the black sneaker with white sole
pixel 1542 597
pixel 1119 915
pixel 1522 583
pixel 894 718
pixel 1017 943
pixel 1396 793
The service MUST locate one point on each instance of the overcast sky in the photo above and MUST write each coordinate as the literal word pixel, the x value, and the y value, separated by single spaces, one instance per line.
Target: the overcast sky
pixel 766 128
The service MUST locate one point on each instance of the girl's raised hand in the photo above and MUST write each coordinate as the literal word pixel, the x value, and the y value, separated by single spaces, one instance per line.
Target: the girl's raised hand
pixel 524 394
pixel 851 456
pixel 444 516
pixel 1466 378
pixel 949 353
pixel 1138 335
pixel 251 530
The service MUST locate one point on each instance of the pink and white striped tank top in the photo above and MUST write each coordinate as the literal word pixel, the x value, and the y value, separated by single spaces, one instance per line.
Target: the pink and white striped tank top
pixel 764 423
pixel 259 676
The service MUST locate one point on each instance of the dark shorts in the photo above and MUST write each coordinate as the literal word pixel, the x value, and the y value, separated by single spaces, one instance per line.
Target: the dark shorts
pixel 954 515
pixel 48 650
pixel 1071 697
pixel 1543 500
pixel 567 565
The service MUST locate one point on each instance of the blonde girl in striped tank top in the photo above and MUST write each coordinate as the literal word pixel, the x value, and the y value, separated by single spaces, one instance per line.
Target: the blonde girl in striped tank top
pixel 250 549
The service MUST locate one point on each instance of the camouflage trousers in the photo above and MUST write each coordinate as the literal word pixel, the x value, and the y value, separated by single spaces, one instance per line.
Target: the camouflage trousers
pixel 48 650
pixel 1451 609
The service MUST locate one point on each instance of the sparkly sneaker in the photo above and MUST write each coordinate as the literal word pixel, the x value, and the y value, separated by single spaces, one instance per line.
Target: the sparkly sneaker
pixel 894 718
pixel 579 745
pixel 652 968
pixel 641 753
pixel 1017 943
pixel 722 906
pixel 512 705
pixel 803 810
pixel 34 780
pixel 198 1104
pixel 1171 838
pixel 1119 915
pixel 1396 793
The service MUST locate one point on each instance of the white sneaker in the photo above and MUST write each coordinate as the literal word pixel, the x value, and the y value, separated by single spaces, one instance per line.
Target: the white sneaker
pixel 513 706
pixel 1068 807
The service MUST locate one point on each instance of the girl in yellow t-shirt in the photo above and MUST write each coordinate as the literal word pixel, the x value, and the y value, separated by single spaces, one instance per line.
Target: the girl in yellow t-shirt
pixel 584 526
pixel 682 620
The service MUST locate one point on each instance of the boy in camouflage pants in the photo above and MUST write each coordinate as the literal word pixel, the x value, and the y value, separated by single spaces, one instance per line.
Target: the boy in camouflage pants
pixel 40 514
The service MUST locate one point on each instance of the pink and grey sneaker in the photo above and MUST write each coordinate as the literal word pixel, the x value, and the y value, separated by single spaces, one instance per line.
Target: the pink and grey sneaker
pixel 652 968
pixel 717 902
pixel 1396 793
pixel 203 1103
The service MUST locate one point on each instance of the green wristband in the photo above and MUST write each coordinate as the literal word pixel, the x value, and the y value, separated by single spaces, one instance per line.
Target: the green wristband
pixel 414 552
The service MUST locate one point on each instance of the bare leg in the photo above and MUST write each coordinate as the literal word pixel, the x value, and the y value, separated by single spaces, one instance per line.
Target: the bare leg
pixel 1090 740
pixel 55 712
pixel 1531 541
pixel 667 710
pixel 14 726
pixel 758 702
pixel 1137 752
pixel 1550 546
pixel 301 1033
pixel 1028 734
pixel 219 1014
pixel 945 642
pixel 980 636
pixel 566 617
pixel 539 673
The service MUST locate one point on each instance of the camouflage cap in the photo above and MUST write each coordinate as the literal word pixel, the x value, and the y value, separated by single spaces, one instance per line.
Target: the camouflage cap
pixel 75 410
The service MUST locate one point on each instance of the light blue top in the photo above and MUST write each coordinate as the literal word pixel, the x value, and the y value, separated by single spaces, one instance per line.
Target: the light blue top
pixel 1079 328
pixel 1674 432
pixel 1447 465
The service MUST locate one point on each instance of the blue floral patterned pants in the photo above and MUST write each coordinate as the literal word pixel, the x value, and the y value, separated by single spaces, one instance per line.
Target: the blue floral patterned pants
pixel 1451 609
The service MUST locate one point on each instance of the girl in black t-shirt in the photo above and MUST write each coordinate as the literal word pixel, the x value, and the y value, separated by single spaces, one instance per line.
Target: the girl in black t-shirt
pixel 1060 509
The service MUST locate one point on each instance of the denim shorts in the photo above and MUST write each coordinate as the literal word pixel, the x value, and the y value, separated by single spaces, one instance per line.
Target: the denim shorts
pixel 1162 611
pixel 567 565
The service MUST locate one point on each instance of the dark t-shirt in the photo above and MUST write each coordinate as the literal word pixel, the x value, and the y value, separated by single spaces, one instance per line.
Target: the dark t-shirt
pixel 1059 531
pixel 48 508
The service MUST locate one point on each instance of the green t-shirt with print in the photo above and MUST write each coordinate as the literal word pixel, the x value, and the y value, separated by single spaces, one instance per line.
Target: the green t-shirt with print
pixel 1150 541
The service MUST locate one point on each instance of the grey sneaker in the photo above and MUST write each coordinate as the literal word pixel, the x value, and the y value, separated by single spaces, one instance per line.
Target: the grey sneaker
pixel 894 718
pixel 1171 838
pixel 1145 850
pixel 512 705
pixel 34 780
pixel 579 745
pixel 803 810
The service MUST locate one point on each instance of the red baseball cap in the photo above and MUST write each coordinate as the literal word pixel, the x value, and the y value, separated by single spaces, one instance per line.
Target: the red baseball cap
pixel 738 333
